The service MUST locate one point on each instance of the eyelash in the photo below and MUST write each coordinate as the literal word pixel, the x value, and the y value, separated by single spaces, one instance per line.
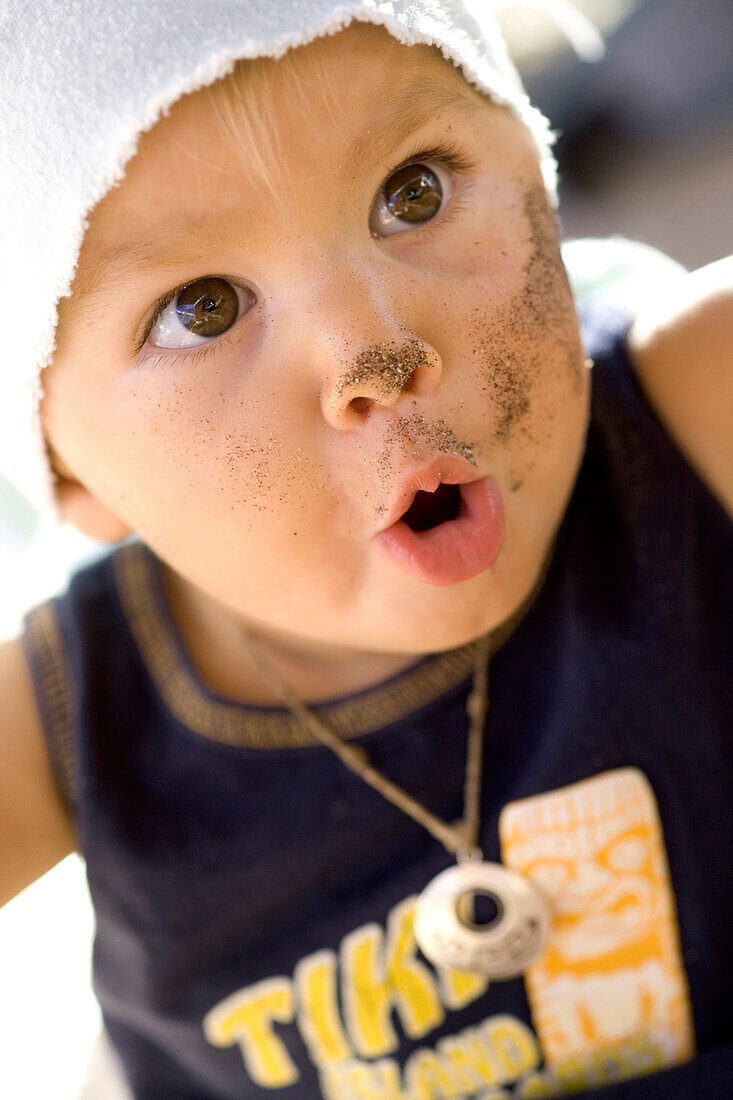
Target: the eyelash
pixel 447 154
pixel 193 356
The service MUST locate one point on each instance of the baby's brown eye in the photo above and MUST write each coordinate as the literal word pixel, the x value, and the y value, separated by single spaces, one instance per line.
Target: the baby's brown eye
pixel 199 313
pixel 207 307
pixel 410 197
pixel 414 193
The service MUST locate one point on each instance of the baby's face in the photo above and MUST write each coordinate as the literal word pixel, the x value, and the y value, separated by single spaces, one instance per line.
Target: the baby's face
pixel 342 321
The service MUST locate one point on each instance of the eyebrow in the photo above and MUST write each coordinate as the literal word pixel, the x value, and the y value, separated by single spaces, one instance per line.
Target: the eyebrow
pixel 183 241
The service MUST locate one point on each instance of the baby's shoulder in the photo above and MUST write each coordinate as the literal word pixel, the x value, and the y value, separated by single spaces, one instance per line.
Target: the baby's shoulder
pixel 681 345
pixel 35 823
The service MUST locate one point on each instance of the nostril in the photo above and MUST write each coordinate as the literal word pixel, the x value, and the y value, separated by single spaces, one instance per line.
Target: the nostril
pixel 359 404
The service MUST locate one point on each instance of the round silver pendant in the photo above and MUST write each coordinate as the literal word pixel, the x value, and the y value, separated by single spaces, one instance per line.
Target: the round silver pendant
pixel 448 933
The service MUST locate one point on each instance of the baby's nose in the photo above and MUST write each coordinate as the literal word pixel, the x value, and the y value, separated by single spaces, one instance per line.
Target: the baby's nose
pixel 380 375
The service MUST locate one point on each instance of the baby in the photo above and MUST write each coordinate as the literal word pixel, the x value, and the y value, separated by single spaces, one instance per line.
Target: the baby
pixel 322 359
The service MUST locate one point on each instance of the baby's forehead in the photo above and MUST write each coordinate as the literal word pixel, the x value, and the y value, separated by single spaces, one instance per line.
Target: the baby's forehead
pixel 311 91
pixel 264 123
pixel 365 53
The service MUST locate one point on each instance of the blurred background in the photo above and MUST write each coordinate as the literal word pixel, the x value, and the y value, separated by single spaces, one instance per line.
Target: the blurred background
pixel 646 133
pixel 646 153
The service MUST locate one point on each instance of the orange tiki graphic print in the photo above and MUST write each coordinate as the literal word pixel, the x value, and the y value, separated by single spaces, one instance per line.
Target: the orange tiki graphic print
pixel 612 970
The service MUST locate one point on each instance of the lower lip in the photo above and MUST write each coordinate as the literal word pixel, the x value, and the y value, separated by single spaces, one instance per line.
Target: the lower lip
pixel 456 550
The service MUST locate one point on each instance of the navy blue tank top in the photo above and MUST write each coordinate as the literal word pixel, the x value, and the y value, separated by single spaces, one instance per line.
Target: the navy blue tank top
pixel 254 898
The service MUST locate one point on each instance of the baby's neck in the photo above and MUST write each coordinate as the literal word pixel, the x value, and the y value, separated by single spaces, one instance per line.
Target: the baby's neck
pixel 220 656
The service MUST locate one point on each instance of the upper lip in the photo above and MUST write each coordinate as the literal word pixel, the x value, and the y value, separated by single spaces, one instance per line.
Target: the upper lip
pixel 444 469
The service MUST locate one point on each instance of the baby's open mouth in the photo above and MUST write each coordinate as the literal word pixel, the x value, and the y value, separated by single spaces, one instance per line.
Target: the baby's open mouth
pixel 449 535
pixel 431 509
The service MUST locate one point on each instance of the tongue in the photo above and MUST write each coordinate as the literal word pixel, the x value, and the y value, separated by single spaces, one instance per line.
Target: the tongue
pixel 456 549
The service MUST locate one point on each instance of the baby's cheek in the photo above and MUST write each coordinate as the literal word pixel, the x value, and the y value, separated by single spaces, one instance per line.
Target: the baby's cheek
pixel 485 247
pixel 170 435
pixel 526 350
pixel 262 471
pixel 199 450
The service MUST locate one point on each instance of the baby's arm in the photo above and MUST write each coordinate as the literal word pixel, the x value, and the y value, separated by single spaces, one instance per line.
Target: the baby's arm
pixel 36 830
pixel 682 347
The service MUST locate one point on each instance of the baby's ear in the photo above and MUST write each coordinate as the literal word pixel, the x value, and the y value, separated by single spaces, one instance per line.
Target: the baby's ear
pixel 81 508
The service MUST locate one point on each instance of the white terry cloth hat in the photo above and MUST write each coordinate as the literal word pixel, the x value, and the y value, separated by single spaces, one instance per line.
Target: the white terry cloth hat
pixel 80 80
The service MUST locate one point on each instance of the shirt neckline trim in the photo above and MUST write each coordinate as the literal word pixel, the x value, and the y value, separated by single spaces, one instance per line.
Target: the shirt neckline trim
pixel 140 587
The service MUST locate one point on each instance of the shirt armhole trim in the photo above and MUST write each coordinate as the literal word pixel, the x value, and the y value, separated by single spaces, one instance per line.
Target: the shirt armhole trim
pixel 45 651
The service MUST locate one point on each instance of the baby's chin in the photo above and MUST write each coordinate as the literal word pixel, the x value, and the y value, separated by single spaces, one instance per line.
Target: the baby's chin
pixel 433 620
